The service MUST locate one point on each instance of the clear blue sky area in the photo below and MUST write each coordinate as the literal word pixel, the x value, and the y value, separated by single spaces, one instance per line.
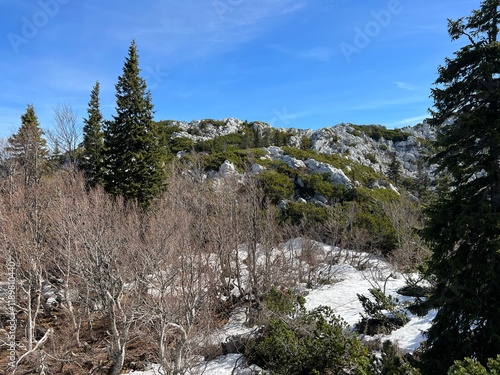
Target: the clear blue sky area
pixel 302 64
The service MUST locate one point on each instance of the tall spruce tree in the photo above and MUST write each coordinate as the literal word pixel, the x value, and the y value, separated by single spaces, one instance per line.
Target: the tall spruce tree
pixel 92 162
pixel 134 156
pixel 464 223
pixel 28 148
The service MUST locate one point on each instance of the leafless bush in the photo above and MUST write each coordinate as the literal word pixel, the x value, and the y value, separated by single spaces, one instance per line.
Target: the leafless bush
pixel 66 134
pixel 406 218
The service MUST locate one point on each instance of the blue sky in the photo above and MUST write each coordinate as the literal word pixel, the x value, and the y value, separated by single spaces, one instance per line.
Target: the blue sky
pixel 303 64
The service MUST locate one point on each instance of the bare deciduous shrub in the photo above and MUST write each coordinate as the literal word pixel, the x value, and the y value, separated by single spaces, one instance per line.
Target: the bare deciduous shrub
pixel 66 134
pixel 406 218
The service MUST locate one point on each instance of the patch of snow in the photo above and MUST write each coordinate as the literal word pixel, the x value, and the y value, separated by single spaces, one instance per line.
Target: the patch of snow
pixel 231 364
pixel 409 337
pixel 236 326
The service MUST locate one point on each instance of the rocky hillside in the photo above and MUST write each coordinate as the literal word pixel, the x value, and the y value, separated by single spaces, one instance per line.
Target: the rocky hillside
pixel 371 146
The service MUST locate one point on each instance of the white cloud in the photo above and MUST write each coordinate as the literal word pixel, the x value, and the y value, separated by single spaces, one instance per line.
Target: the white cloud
pixel 406 86
pixel 389 102
pixel 410 121
pixel 199 27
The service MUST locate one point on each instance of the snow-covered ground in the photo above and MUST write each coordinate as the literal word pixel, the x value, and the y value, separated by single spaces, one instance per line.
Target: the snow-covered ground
pixel 353 274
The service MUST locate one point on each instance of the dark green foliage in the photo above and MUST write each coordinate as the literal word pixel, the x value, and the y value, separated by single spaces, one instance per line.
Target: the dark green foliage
pixel 166 129
pixel 319 184
pixel 180 144
pixel 262 135
pixel 251 154
pixel 304 213
pixel 297 342
pixel 464 223
pixel 276 186
pixel 232 141
pixel 377 132
pixel 284 303
pixel 373 218
pixel 383 315
pixel 471 367
pixel 134 155
pixel 92 160
pixel 394 171
pixel 305 143
pixel 217 123
pixel 372 158
pixel 28 148
pixel 392 362
pixel 213 161
pixel 423 181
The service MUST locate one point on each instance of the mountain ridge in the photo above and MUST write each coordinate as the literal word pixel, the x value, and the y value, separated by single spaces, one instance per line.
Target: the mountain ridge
pixel 372 146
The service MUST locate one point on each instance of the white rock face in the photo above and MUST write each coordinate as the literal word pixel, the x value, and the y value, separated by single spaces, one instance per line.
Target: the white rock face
pixel 393 188
pixel 355 145
pixel 202 130
pixel 313 166
pixel 276 153
pixel 257 168
pixel 337 175
pixel 227 169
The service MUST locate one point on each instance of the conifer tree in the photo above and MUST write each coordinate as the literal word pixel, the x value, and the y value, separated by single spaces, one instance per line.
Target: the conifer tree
pixel 134 156
pixel 394 169
pixel 93 140
pixel 28 147
pixel 464 223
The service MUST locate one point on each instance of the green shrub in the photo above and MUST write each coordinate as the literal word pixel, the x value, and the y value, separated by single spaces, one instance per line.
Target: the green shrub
pixel 376 132
pixel 372 158
pixel 356 132
pixel 319 183
pixel 305 143
pixel 373 196
pixel 180 144
pixel 383 315
pixel 382 233
pixel 372 217
pixel 222 143
pixel 218 124
pixel 166 129
pixel 251 154
pixel 277 186
pixel 215 160
pixel 296 342
pixel 391 362
pixel 299 213
pixel 471 367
